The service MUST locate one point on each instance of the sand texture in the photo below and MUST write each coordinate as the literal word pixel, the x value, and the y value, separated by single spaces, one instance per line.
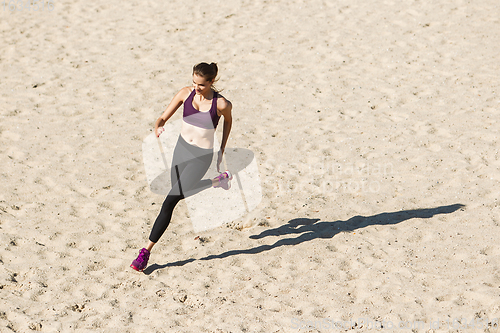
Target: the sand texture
pixel 375 125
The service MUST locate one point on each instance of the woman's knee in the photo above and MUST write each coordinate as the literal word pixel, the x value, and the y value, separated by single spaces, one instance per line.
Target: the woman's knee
pixel 171 200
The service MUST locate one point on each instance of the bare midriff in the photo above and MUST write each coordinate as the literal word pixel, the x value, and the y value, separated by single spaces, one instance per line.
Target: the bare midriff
pixel 197 136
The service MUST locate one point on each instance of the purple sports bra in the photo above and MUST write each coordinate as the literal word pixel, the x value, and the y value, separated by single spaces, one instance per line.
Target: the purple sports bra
pixel 208 119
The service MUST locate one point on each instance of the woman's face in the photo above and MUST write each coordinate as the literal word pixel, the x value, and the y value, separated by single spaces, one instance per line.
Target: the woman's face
pixel 200 85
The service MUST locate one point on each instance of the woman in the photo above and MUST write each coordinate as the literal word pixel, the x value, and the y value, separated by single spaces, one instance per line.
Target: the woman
pixel 203 106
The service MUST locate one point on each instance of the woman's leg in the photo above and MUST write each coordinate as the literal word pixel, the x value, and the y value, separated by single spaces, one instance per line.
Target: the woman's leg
pixel 150 246
pixel 186 153
pixel 188 182
pixel 189 165
pixel 164 217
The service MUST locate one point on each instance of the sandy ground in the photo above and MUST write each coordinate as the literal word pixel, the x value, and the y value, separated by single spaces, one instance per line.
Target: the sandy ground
pixel 375 127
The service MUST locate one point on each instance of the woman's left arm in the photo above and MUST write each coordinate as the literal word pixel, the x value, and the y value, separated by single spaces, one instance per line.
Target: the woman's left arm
pixel 225 110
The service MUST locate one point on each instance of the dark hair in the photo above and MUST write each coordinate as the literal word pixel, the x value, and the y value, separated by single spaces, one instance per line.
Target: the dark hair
pixel 208 72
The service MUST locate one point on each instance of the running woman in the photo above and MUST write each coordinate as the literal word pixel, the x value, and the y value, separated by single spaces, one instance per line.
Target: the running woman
pixel 203 106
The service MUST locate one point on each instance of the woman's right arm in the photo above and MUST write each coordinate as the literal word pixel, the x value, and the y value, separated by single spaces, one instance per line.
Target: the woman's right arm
pixel 171 108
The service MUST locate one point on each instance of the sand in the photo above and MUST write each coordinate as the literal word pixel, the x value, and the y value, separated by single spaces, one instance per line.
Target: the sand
pixel 375 127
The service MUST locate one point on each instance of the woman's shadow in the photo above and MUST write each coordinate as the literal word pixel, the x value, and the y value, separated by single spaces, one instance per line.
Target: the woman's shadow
pixel 310 229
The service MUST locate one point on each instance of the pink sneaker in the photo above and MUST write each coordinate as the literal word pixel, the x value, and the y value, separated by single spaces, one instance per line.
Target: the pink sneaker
pixel 224 180
pixel 142 260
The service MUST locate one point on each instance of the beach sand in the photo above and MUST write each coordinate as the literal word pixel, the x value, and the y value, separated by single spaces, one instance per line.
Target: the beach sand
pixel 375 127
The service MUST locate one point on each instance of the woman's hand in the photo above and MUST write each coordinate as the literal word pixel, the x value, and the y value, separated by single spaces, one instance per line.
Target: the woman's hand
pixel 159 126
pixel 219 159
pixel 159 130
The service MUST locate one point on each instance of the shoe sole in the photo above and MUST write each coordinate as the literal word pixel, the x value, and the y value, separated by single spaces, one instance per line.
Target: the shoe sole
pixel 137 269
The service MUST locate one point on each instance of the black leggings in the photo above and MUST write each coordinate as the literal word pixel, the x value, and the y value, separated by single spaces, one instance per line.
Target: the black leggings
pixel 189 164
